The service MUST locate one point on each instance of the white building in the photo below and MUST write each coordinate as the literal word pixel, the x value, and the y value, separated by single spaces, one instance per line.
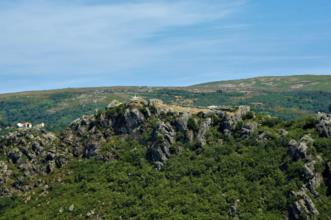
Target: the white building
pixel 24 125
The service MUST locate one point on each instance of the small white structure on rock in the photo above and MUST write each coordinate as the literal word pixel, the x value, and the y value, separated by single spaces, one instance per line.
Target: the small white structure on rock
pixel 41 125
pixel 24 125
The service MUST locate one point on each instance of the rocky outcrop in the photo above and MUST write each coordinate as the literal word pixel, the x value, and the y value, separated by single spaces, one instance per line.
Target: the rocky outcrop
pixel 231 119
pixel 163 139
pixel 86 135
pixel 303 206
pixel 29 153
pixel 300 150
pixel 327 177
pixel 32 152
pixel 323 125
pixel 204 127
pixel 182 120
pixel 5 174
pixel 248 128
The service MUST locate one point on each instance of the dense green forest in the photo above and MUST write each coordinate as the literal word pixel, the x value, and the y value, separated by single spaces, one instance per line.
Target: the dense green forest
pixel 198 183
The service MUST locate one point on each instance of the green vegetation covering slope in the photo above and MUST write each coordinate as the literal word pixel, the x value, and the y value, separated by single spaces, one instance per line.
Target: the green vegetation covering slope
pixel 147 160
pixel 55 108
pixel 285 97
pixel 194 185
pixel 275 83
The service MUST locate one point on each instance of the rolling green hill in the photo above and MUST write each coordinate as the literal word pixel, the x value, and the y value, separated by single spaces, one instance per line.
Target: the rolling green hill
pixel 287 97
pixel 274 84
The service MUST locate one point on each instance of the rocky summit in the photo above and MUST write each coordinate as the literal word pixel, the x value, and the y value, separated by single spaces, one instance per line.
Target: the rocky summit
pixel 31 158
pixel 167 125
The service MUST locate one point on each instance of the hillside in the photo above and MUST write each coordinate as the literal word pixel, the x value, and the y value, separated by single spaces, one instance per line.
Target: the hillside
pixel 284 97
pixel 144 159
pixel 274 84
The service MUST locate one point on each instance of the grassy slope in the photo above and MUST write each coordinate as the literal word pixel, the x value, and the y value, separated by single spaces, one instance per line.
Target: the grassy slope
pixel 276 83
pixel 280 96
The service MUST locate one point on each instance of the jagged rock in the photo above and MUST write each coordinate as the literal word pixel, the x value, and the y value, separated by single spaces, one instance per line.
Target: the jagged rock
pixel 264 137
pixel 248 128
pixel 92 146
pixel 14 155
pixel 189 134
pixel 50 156
pixel 204 126
pixel 104 121
pixel 313 178
pixel 327 176
pixel 181 121
pixel 242 111
pixel 133 118
pixel 300 150
pixel 50 166
pixel 162 139
pixel 5 174
pixel 323 125
pixel 37 148
pixel 60 160
pixel 37 152
pixel 137 102
pixel 81 125
pixel 30 152
pixel 303 206
pixel 231 119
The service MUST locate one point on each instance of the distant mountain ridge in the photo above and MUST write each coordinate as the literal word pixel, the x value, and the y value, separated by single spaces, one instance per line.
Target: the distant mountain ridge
pixel 267 83
pixel 288 97
pixel 274 83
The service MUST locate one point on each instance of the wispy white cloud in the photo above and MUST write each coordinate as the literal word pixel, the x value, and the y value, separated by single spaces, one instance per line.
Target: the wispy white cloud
pixel 60 43
pixel 55 37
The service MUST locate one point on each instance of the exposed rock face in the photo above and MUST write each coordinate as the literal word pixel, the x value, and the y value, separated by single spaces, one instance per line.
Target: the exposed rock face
pixel 86 135
pixel 327 177
pixel 5 174
pixel 299 150
pixel 204 126
pixel 37 152
pixel 304 207
pixel 162 140
pixel 133 118
pixel 30 152
pixel 249 128
pixel 324 124
pixel 231 119
pixel 182 120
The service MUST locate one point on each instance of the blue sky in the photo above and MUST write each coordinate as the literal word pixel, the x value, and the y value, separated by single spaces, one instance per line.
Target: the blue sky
pixel 46 44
